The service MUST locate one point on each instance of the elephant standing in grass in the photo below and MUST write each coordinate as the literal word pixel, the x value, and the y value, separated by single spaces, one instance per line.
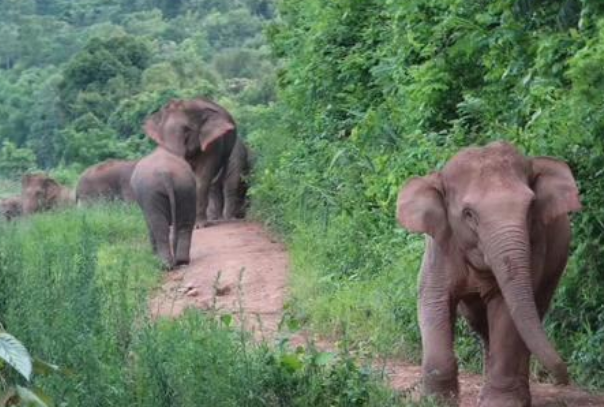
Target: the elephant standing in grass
pixel 498 235
pixel 40 193
pixel 228 191
pixel 11 208
pixel 107 180
pixel 202 132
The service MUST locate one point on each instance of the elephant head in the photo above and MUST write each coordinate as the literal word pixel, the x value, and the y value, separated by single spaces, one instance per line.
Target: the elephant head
pixel 486 201
pixel 40 193
pixel 189 127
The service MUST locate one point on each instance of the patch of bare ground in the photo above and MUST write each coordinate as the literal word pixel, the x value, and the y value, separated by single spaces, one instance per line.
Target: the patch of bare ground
pixel 237 268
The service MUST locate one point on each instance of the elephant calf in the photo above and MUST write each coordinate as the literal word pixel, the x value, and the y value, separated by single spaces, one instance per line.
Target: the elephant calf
pixel 40 193
pixel 107 180
pixel 164 187
pixel 11 208
pixel 228 191
pixel 498 236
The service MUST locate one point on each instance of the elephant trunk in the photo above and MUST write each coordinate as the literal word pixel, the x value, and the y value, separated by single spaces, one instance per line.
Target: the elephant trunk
pixel 507 250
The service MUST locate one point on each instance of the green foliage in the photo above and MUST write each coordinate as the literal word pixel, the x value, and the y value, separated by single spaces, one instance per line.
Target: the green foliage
pixel 374 92
pixel 74 287
pixel 15 161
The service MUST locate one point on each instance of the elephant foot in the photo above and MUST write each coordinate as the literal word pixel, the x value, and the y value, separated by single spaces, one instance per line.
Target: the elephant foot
pixel 444 389
pixel 182 262
pixel 517 396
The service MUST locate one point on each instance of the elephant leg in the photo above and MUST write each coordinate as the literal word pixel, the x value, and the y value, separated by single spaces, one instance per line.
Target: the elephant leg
pixel 204 174
pixel 159 233
pixel 216 202
pixel 232 201
pixel 507 382
pixel 185 223
pixel 439 366
pixel 183 237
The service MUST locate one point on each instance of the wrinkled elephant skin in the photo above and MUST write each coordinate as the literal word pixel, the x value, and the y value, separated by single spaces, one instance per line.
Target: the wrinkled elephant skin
pixel 164 187
pixel 497 243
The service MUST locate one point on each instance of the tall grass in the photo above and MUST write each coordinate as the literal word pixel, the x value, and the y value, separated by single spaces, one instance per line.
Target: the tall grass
pixel 74 287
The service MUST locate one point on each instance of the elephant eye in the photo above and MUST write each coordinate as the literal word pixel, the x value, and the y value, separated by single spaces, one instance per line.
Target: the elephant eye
pixel 469 215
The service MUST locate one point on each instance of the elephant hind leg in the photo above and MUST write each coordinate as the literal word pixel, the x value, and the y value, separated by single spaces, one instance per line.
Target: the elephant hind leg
pixel 159 234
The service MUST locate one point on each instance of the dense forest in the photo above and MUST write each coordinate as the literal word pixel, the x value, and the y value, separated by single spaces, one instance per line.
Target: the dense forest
pixel 342 102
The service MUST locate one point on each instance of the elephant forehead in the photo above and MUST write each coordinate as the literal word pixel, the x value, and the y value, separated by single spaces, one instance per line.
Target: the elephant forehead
pixel 488 165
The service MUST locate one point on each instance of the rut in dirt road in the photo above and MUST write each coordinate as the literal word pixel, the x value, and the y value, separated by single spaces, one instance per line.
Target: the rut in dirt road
pixel 237 267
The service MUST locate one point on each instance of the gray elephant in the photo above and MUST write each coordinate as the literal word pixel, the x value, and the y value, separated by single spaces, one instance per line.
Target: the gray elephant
pixel 107 180
pixel 202 132
pixel 498 236
pixel 229 190
pixel 11 208
pixel 40 193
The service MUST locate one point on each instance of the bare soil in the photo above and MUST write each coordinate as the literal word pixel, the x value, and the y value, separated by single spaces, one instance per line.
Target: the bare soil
pixel 237 268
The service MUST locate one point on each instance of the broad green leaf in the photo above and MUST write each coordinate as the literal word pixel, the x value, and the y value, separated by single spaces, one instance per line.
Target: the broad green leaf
pixel 15 354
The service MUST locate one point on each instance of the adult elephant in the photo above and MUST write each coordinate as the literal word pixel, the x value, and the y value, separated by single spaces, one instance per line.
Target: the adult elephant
pixel 40 193
pixel 107 180
pixel 201 131
pixel 228 191
pixel 498 236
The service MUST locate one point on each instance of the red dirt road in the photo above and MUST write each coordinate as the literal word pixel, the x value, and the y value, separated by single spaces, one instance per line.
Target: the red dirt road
pixel 237 268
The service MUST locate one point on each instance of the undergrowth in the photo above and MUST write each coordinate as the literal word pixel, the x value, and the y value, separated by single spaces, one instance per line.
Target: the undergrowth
pixel 74 288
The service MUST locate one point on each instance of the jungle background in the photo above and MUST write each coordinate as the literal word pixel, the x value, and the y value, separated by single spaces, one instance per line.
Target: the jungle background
pixel 341 101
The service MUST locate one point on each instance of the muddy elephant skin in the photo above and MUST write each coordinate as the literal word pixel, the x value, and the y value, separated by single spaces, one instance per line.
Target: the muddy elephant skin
pixel 109 180
pixel 41 193
pixel 228 193
pixel 164 187
pixel 497 242
pixel 202 132
pixel 11 208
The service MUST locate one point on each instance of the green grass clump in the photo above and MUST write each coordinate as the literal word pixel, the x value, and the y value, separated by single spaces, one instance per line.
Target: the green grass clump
pixel 74 288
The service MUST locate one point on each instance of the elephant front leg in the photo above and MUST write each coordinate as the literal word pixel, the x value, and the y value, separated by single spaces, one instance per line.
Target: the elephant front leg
pixel 507 381
pixel 439 365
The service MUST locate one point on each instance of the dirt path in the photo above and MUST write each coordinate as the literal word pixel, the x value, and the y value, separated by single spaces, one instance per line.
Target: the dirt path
pixel 237 268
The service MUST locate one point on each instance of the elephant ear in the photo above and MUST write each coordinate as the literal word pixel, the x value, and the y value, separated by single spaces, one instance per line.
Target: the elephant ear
pixel 213 130
pixel 152 127
pixel 421 207
pixel 555 188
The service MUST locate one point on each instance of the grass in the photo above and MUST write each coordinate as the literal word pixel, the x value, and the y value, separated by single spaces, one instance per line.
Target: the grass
pixel 74 287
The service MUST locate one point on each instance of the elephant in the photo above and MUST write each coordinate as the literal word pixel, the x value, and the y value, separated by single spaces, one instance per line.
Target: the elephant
pixel 40 193
pixel 497 242
pixel 202 132
pixel 164 186
pixel 228 191
pixel 11 208
pixel 107 180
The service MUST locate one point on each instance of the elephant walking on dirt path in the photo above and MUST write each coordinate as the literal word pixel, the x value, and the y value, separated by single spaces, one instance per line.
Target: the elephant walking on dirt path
pixel 498 236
